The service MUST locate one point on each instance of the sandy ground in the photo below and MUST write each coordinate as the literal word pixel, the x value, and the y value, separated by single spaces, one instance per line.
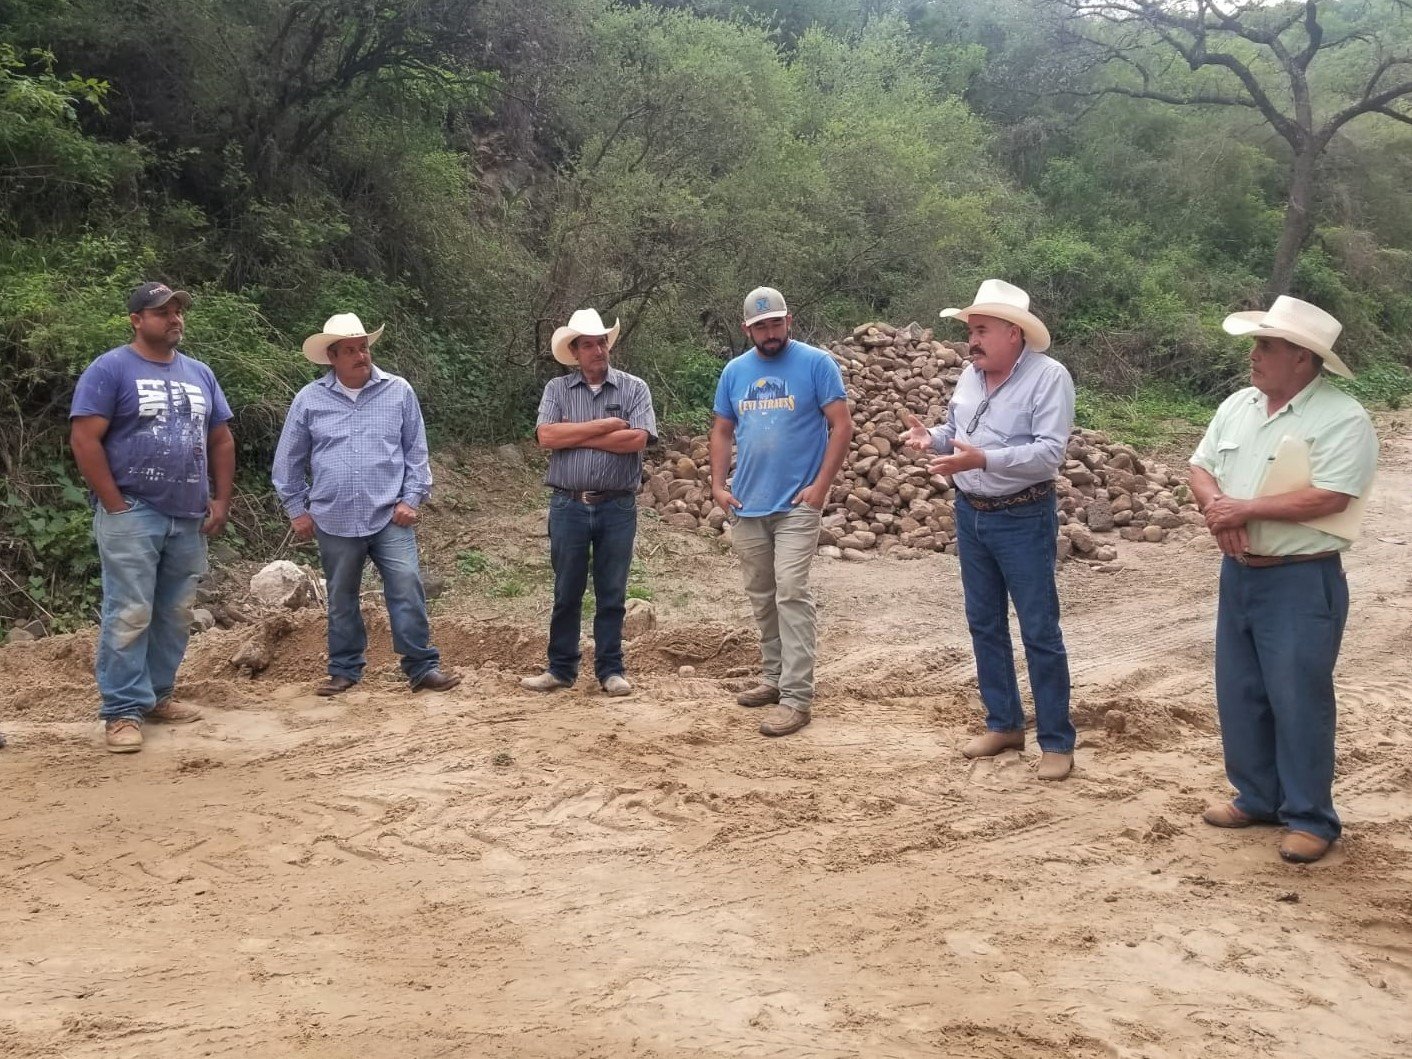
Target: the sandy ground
pixel 488 873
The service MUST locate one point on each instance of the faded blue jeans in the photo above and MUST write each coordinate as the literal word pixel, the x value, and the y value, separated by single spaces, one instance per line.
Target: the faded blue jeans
pixel 393 550
pixel 583 538
pixel 1009 555
pixel 1278 632
pixel 151 563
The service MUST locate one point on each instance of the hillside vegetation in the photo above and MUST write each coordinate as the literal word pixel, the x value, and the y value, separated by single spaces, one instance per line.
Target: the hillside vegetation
pixel 470 171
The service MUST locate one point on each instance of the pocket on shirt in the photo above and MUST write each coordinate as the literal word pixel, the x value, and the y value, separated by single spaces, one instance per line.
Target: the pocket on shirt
pixel 1022 430
pixel 387 445
pixel 1227 452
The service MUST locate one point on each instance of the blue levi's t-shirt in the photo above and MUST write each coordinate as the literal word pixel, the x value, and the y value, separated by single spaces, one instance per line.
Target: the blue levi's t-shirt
pixel 777 406
pixel 159 416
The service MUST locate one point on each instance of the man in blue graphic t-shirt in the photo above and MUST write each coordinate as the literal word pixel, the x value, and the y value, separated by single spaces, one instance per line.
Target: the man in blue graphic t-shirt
pixel 783 404
pixel 149 432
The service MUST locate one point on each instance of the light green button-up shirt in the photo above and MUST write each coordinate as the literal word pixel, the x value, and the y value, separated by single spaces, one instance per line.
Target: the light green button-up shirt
pixel 1241 441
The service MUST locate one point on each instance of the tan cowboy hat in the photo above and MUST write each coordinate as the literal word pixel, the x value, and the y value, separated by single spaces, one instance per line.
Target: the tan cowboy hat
pixel 1007 302
pixel 336 328
pixel 583 322
pixel 1295 321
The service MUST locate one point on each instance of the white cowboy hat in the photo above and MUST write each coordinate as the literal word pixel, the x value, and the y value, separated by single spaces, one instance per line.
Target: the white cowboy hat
pixel 1295 321
pixel 336 328
pixel 1007 302
pixel 583 322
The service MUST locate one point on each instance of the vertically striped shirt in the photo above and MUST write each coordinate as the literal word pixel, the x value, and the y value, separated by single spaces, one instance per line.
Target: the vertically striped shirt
pixel 569 399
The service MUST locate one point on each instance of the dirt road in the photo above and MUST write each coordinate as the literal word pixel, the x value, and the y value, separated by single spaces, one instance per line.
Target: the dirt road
pixel 486 873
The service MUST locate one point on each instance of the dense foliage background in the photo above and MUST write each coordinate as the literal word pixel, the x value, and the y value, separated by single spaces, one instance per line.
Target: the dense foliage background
pixel 470 171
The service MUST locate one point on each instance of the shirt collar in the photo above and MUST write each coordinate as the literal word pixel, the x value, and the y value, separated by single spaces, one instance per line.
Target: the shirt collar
pixel 330 380
pixel 1296 404
pixel 577 379
pixel 1021 362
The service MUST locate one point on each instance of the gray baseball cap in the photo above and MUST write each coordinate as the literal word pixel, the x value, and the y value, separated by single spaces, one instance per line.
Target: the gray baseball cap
pixel 764 303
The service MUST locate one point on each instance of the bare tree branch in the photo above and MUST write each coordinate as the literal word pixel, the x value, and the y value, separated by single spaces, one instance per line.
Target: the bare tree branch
pixel 1218 35
pixel 1395 115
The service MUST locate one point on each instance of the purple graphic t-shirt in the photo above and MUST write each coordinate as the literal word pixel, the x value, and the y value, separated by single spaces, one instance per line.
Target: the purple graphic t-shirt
pixel 158 418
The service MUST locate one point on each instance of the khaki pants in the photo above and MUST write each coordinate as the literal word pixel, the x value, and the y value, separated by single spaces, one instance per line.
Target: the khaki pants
pixel 776 552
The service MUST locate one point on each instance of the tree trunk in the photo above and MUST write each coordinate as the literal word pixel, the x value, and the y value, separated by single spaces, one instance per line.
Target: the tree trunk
pixel 1297 222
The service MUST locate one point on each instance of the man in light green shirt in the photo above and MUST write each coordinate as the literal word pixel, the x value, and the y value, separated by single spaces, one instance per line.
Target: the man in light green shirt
pixel 1283 596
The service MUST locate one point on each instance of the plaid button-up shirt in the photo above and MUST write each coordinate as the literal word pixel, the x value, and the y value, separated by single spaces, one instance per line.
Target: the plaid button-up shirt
pixel 348 463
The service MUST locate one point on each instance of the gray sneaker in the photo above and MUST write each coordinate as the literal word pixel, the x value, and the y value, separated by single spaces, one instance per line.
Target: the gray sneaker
pixel 760 695
pixel 544 682
pixel 617 684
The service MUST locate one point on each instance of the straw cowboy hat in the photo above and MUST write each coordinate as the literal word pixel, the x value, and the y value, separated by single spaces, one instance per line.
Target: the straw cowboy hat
pixel 1295 321
pixel 583 322
pixel 336 328
pixel 1007 302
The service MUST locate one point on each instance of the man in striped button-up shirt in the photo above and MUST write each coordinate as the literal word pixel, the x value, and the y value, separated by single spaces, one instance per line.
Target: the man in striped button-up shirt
pixel 595 422
pixel 352 469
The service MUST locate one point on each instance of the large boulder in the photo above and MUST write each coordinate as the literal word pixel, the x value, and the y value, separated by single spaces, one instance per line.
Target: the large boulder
pixel 283 584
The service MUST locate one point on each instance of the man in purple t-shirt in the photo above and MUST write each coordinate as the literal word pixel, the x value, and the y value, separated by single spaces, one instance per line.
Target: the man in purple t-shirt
pixel 149 432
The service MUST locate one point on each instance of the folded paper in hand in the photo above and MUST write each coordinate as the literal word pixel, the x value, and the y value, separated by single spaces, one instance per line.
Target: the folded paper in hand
pixel 1290 470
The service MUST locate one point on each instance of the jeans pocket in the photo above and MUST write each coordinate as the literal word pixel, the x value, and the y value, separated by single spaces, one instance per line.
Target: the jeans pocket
pixel 1022 511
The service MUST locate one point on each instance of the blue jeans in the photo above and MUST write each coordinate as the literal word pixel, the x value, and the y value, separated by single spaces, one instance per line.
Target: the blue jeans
pixel 1011 553
pixel 393 550
pixel 583 537
pixel 151 563
pixel 1278 632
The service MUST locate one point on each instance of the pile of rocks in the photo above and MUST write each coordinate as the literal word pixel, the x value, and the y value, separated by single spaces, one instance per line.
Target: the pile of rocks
pixel 886 501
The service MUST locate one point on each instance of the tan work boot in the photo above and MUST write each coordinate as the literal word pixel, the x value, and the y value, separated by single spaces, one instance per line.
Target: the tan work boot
pixel 617 684
pixel 759 695
pixel 173 712
pixel 991 743
pixel 546 681
pixel 1226 815
pixel 123 735
pixel 783 720
pixel 1054 765
pixel 1300 847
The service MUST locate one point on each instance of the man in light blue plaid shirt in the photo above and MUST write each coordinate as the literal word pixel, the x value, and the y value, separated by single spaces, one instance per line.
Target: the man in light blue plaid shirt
pixel 352 469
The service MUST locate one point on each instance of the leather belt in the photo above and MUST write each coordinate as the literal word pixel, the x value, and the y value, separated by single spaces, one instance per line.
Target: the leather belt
pixel 1028 495
pixel 593 496
pixel 1261 561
